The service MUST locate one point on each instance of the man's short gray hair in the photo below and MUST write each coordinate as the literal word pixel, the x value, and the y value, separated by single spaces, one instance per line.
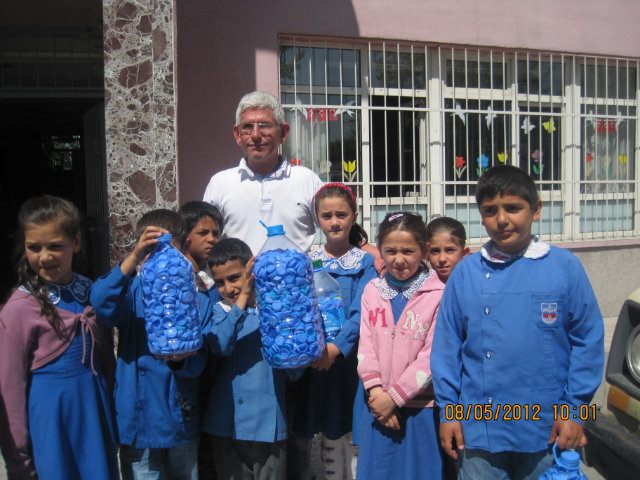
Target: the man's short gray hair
pixel 261 100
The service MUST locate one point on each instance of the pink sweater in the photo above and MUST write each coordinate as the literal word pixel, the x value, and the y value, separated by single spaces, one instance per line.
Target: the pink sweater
pixel 28 342
pixel 396 357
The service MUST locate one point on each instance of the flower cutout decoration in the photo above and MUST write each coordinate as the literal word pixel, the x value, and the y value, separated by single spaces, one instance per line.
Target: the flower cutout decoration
pixel 527 126
pixel 503 157
pixel 483 164
pixel 589 158
pixel 623 159
pixel 350 168
pixel 295 161
pixel 549 126
pixel 460 166
pixel 623 165
pixel 537 158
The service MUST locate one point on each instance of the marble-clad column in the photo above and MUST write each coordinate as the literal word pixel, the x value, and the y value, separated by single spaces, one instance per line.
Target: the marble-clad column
pixel 139 114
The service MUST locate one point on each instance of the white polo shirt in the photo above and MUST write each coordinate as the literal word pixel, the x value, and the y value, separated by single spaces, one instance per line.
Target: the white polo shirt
pixel 285 197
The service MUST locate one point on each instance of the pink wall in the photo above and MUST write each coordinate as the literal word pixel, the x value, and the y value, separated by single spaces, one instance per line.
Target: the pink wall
pixel 226 49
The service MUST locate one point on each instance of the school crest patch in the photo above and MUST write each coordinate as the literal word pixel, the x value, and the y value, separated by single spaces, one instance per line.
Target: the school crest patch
pixel 549 312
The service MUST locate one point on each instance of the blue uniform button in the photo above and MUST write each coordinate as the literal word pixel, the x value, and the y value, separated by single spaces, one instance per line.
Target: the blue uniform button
pixel 488 275
pixel 490 400
pixel 486 310
pixel 140 406
pixel 488 354
pixel 142 373
pixel 240 402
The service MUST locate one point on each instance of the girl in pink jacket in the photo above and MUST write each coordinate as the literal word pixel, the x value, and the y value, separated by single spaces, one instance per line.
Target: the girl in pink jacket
pixel 399 431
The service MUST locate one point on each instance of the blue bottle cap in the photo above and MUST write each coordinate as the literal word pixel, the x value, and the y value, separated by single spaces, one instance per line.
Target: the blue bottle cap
pixel 167 323
pixel 275 230
pixel 173 344
pixel 171 332
pixel 313 349
pixel 279 340
pixel 304 358
pixel 173 270
pixel 162 341
pixel 165 237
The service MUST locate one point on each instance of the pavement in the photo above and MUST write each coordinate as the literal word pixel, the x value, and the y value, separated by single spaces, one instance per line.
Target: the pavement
pixel 598 399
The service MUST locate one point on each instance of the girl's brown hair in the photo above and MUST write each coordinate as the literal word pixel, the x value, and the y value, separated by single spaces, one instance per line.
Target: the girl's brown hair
pixel 447 225
pixel 405 222
pixel 41 211
pixel 357 235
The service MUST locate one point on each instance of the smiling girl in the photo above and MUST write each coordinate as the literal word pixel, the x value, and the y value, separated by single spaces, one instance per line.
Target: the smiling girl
pixel 55 413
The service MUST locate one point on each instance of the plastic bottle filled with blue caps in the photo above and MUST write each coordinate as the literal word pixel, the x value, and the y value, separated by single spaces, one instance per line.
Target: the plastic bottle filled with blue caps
pixel 329 297
pixel 567 467
pixel 171 313
pixel 290 323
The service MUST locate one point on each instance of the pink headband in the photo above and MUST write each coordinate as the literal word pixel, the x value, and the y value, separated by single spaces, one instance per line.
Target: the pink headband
pixel 339 185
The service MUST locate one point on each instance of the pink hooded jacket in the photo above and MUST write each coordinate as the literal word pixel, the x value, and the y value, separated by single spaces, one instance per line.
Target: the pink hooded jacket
pixel 396 357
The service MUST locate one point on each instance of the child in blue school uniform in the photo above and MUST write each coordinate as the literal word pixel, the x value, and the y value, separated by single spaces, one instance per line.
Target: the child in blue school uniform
pixel 519 334
pixel 326 393
pixel 157 405
pixel 56 418
pixel 246 409
pixel 204 227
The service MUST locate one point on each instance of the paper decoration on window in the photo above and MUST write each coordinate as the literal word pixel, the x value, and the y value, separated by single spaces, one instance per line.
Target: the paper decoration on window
pixel 340 111
pixel 350 169
pixel 322 114
pixel 483 164
pixel 603 126
pixel 537 158
pixel 590 119
pixel 619 119
pixel 589 158
pixel 460 166
pixel 301 109
pixel 549 126
pixel 295 161
pixel 490 116
pixel 527 126
pixel 503 157
pixel 460 114
pixel 623 159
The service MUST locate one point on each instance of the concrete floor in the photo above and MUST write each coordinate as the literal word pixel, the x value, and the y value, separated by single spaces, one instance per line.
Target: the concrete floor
pixel 592 474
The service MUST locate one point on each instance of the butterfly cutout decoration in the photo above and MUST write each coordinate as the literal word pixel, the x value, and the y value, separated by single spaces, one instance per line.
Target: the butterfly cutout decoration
pixel 549 126
pixel 340 111
pixel 301 109
pixel 619 119
pixel 502 157
pixel 460 114
pixel 489 118
pixel 527 126
pixel 590 120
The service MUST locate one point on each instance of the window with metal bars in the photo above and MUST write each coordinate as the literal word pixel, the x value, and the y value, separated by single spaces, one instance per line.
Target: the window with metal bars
pixel 413 127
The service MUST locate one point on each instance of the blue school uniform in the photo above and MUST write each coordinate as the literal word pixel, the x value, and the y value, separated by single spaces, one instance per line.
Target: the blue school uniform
pixel 521 333
pixel 156 406
pixel 70 413
pixel 247 401
pixel 324 399
pixel 414 451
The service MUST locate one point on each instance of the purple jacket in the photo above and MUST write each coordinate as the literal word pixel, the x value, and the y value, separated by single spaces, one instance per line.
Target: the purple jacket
pixel 28 342
pixel 397 357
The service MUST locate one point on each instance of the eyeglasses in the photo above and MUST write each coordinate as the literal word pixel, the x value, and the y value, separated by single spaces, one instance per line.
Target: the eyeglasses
pixel 265 128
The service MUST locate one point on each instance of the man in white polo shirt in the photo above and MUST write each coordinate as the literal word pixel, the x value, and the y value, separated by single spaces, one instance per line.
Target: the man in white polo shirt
pixel 265 186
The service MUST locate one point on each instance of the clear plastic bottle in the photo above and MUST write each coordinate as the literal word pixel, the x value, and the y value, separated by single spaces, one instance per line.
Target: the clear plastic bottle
pixel 170 297
pixel 330 303
pixel 567 467
pixel 290 323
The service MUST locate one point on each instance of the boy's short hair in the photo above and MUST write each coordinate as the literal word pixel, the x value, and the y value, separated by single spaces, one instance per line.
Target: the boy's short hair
pixel 506 180
pixel 194 211
pixel 167 219
pixel 227 250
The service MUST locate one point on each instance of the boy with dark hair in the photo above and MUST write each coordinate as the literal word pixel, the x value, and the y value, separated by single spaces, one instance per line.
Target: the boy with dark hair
pixel 204 228
pixel 246 409
pixel 519 334
pixel 156 398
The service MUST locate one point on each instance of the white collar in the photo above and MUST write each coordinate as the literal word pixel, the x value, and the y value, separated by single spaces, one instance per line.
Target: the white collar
pixel 388 291
pixel 282 171
pixel 535 250
pixel 207 278
pixel 79 287
pixel 349 260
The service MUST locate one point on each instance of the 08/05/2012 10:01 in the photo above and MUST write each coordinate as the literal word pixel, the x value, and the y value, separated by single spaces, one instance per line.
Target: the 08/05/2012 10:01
pixel 517 412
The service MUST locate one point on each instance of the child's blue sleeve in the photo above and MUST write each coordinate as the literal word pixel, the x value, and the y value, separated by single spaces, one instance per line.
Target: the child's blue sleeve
pixel 446 351
pixel 586 337
pixel 111 298
pixel 222 331
pixel 350 332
